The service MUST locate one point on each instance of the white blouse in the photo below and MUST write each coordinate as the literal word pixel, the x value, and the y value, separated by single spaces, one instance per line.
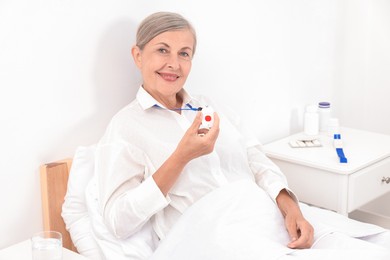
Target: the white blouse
pixel 142 136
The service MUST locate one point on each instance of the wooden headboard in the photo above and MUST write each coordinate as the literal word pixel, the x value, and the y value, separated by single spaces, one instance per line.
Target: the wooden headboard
pixel 54 182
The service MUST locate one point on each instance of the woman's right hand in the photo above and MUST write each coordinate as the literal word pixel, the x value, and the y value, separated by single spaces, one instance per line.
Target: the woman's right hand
pixel 196 143
pixel 191 146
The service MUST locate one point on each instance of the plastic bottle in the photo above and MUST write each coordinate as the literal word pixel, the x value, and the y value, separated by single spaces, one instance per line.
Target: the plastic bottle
pixel 324 114
pixel 311 120
pixel 333 127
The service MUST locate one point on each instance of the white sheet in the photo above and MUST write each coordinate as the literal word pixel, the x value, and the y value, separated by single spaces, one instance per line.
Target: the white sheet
pixel 226 225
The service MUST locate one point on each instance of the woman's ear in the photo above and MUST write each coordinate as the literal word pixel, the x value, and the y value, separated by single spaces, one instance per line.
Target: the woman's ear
pixel 136 52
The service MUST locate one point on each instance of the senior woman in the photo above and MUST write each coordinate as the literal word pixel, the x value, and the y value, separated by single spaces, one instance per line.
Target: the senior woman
pixel 153 162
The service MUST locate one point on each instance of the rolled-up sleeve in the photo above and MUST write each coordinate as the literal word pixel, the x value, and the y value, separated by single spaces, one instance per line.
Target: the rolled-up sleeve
pixel 127 199
pixel 267 174
pixel 129 212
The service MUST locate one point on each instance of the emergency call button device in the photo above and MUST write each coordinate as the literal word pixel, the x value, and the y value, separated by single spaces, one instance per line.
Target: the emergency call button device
pixel 207 118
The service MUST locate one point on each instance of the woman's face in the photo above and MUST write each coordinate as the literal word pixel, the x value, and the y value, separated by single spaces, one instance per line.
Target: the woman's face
pixel 165 63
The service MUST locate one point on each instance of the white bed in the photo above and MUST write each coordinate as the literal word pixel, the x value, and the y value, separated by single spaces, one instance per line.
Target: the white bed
pixel 224 224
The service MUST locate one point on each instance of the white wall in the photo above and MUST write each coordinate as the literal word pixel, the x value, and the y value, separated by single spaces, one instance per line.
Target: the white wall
pixel 363 91
pixel 65 69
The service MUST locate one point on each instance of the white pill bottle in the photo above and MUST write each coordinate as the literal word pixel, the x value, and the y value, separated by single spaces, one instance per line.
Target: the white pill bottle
pixel 311 120
pixel 324 113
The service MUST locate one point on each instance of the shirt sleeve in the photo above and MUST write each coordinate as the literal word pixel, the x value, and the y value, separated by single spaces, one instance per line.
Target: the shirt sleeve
pixel 127 199
pixel 267 174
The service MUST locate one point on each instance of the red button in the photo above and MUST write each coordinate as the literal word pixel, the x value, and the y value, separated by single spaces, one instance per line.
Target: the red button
pixel 207 118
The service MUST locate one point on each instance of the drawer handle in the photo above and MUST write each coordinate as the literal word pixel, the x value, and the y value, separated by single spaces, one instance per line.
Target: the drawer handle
pixel 386 179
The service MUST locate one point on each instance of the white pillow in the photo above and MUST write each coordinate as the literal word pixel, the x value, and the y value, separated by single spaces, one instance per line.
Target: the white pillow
pixel 74 209
pixel 84 223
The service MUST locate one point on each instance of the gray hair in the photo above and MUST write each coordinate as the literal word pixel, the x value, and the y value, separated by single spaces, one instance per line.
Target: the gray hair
pixel 161 22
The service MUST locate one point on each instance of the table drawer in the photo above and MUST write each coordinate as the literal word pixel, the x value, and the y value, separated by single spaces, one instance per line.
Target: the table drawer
pixel 316 187
pixel 367 185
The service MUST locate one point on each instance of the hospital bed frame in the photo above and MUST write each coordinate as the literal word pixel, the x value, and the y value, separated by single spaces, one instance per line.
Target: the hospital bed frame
pixel 54 181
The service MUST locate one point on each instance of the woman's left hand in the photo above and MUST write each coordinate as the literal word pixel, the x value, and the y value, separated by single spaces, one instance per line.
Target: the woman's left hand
pixel 300 230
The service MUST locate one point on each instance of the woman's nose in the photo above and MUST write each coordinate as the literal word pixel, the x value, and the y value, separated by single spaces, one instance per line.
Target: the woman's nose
pixel 173 62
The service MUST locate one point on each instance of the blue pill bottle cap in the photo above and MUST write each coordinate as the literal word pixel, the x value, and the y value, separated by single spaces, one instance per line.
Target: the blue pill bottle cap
pixel 324 105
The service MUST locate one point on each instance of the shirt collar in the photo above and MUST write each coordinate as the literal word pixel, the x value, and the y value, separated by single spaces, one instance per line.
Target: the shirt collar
pixel 147 101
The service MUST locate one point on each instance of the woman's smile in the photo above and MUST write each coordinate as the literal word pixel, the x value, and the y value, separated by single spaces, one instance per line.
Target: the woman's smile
pixel 168 76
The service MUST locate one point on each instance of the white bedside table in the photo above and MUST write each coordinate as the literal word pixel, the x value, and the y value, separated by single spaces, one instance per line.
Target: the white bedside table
pixel 318 178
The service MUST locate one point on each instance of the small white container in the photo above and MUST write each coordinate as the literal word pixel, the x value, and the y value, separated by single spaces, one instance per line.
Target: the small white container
pixel 333 127
pixel 324 114
pixel 311 120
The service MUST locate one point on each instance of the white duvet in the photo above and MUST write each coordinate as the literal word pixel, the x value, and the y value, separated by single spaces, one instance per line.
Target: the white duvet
pixel 236 221
pixel 240 221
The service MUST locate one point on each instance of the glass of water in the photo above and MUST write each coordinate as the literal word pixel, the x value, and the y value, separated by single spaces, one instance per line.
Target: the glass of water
pixel 47 245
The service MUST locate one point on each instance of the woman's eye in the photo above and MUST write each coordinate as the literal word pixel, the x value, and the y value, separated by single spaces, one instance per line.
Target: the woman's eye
pixel 162 50
pixel 185 54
